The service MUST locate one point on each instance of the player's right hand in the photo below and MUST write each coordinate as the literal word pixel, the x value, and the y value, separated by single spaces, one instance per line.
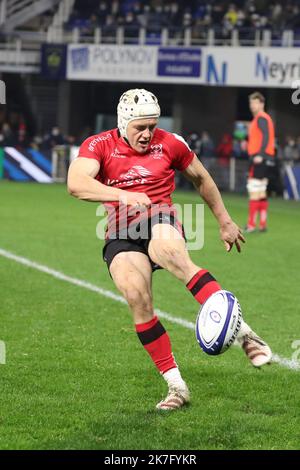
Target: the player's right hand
pixel 136 200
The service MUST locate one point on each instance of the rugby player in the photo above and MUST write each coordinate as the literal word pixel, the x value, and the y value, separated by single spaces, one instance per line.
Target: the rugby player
pixel 261 150
pixel 131 170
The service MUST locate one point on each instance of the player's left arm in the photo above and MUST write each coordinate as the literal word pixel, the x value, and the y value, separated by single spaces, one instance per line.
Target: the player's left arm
pixel 230 233
pixel 264 129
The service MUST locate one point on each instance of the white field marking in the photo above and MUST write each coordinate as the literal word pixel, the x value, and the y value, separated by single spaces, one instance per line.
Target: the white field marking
pixel 86 285
pixel 288 363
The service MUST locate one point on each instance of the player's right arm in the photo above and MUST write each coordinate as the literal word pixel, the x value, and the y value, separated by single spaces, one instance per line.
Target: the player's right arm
pixel 83 185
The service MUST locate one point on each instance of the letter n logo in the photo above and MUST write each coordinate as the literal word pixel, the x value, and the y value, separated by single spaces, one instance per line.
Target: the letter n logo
pixel 212 73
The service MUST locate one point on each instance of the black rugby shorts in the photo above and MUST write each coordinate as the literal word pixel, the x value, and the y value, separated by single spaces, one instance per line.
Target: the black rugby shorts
pixel 113 246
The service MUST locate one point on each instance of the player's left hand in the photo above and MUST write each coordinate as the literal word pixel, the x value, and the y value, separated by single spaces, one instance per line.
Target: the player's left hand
pixel 231 235
pixel 257 159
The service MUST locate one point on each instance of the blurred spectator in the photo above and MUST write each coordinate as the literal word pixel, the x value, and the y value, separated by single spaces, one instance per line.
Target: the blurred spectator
pixel 239 149
pixel 22 134
pixel 36 143
pixel 187 20
pixel 290 150
pixel 224 150
pixel 54 138
pixel 7 137
pixel 231 16
pixel 240 132
pixel 131 25
pixel 102 12
pixel 224 154
pixel 207 149
pixel 194 141
pixel 276 14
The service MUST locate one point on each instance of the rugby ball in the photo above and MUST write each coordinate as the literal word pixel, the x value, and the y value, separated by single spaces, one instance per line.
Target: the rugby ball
pixel 218 322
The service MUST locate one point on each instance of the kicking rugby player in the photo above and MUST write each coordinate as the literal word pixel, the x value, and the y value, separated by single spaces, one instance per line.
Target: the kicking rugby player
pixel 131 170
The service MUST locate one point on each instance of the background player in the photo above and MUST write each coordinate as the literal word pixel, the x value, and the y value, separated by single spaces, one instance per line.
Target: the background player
pixel 261 150
pixel 131 170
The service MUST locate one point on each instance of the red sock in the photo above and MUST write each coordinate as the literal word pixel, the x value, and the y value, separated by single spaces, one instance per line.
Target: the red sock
pixel 263 212
pixel 203 285
pixel 157 343
pixel 253 210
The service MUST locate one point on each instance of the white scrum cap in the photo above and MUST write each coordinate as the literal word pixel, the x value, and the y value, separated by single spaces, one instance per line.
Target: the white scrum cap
pixel 136 104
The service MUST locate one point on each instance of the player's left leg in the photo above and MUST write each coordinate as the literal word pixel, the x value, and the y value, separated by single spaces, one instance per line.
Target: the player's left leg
pixel 132 275
pixel 168 250
pixel 258 199
pixel 253 207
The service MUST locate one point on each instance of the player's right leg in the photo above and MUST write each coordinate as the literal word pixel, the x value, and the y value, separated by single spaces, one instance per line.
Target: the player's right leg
pixel 132 273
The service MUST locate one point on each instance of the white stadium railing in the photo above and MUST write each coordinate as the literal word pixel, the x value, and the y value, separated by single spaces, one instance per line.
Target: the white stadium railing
pixel 21 48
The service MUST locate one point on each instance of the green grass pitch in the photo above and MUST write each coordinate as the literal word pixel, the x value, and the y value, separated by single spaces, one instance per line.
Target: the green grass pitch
pixel 76 376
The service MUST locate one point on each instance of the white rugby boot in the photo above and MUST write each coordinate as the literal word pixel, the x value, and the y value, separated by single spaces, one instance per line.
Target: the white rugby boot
pixel 178 396
pixel 256 349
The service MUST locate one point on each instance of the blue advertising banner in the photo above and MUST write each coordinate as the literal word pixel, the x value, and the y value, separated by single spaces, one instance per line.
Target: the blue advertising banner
pixel 27 165
pixel 292 182
pixel 80 58
pixel 54 61
pixel 221 66
pixel 179 62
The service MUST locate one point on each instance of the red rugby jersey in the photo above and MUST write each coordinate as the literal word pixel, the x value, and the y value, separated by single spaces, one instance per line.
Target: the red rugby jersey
pixel 152 173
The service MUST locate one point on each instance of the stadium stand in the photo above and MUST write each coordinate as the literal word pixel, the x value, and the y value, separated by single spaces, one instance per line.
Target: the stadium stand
pixel 25 26
pixel 190 22
pixel 246 18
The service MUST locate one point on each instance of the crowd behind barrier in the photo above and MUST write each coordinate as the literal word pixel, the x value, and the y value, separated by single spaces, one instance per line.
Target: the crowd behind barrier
pixel 13 132
pixel 226 160
pixel 49 163
pixel 223 16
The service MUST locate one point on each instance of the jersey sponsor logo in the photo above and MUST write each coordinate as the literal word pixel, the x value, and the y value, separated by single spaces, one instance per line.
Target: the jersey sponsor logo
pixel 135 172
pixel 95 141
pixel 117 154
pixel 136 175
pixel 156 151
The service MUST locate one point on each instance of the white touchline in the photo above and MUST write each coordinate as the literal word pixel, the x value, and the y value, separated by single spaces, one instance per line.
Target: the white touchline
pixel 86 285
pixel 288 363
